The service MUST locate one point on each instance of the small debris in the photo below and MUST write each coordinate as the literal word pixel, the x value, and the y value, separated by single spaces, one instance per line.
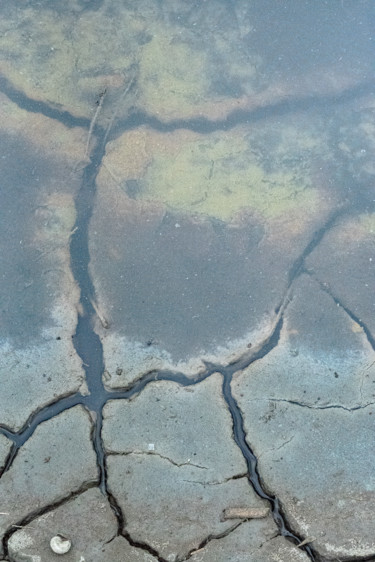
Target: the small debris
pixel 245 513
pixel 60 544
pixel 104 322
pixel 151 447
pixel 306 541
pixel 99 104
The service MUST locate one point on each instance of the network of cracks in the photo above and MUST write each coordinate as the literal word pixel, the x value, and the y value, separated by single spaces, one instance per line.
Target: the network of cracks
pixel 89 347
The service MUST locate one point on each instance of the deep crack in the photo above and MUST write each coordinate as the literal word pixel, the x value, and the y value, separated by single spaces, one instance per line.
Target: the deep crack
pixel 239 435
pixel 88 344
pixel 210 538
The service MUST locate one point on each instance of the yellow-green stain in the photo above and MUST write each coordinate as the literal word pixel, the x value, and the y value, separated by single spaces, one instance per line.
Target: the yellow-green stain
pixel 172 75
pixel 220 177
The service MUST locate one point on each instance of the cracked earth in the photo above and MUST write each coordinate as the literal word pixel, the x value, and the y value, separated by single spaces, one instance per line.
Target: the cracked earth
pixel 187 333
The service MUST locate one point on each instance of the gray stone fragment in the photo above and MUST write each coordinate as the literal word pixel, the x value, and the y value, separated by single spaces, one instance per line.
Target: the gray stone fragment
pixel 308 409
pixel 5 445
pixel 88 521
pixel 173 465
pixel 57 460
pixel 253 541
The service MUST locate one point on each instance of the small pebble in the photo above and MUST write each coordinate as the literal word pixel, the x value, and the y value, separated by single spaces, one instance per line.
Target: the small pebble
pixel 60 544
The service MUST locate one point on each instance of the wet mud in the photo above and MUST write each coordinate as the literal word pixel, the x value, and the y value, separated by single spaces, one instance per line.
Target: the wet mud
pixel 173 287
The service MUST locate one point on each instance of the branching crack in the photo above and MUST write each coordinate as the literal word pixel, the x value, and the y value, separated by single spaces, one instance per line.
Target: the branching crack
pixel 240 438
pixel 350 313
pixel 153 453
pixel 142 546
pixel 41 415
pixel 210 538
pixel 79 250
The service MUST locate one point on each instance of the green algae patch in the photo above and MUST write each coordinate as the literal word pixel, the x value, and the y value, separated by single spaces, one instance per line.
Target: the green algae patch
pixel 176 69
pixel 173 77
pixel 181 78
pixel 217 178
pixel 66 59
pixel 216 175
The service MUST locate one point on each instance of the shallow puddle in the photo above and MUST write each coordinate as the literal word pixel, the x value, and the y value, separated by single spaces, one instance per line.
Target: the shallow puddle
pixel 187 261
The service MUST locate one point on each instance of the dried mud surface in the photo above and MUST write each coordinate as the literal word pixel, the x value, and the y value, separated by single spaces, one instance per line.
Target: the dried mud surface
pixel 187 338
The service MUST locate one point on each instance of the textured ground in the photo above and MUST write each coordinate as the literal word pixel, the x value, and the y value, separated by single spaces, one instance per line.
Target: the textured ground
pixel 187 250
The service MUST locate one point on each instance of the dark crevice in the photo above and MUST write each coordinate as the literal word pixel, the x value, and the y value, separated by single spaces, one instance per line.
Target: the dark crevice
pixel 41 511
pixel 117 511
pixel 96 438
pixel 107 492
pixel 210 538
pixel 239 435
pixel 349 312
pixel 121 522
pixel 88 344
pixel 9 459
pixel 143 546
pixel 357 320
pixel 200 125
pixel 298 266
pixel 34 106
pixel 268 345
pixel 63 402
pixel 8 432
pixel 140 384
pixel 44 414
pixel 239 117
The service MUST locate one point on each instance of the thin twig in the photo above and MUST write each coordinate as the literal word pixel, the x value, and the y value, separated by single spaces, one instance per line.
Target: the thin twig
pixel 93 121
pixel 104 322
pixel 123 96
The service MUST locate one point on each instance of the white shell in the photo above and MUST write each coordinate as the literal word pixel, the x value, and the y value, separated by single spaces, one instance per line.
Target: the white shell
pixel 60 544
